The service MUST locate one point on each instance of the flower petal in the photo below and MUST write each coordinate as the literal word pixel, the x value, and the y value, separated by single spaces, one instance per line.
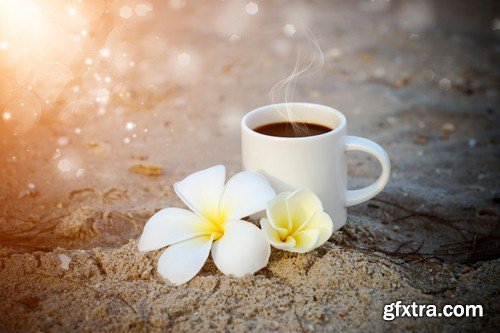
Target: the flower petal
pixel 306 240
pixel 278 214
pixel 242 250
pixel 180 262
pixel 273 236
pixel 201 191
pixel 322 222
pixel 169 226
pixel 301 205
pixel 246 193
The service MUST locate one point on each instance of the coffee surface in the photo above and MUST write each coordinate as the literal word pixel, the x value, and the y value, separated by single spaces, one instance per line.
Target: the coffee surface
pixel 292 129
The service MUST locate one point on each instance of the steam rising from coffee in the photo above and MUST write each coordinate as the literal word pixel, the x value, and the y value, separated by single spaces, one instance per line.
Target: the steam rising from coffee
pixel 287 85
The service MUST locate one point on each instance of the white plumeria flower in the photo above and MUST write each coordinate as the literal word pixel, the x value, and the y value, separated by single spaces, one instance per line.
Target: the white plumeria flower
pixel 237 247
pixel 296 222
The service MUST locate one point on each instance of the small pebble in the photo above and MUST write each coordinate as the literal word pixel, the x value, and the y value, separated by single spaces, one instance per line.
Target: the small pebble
pixel 99 148
pixel 144 169
pixel 402 82
pixel 94 144
pixel 421 139
pixel 392 120
pixel 446 130
pixel 366 57
pixel 488 212
pixel 472 143
pixel 30 191
pixel 449 127
pixel 65 260
pixel 140 157
pixel 334 53
pixel 396 228
pixel 429 75
pixel 445 84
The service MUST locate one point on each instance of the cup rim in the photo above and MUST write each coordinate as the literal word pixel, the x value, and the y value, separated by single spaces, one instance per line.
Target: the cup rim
pixel 337 129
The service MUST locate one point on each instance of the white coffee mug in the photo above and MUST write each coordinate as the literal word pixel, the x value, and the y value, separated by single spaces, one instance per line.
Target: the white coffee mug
pixel 315 162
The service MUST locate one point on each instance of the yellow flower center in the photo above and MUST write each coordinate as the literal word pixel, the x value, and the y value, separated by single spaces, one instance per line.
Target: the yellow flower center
pixel 285 238
pixel 217 221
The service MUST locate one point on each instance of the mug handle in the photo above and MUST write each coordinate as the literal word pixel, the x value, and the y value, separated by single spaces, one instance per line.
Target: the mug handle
pixel 355 143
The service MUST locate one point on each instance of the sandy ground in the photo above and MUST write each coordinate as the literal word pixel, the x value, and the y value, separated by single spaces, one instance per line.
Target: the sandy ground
pixel 418 77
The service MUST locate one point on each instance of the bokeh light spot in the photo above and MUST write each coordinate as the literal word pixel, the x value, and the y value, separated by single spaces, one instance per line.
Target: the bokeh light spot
pixel 252 8
pixel 130 126
pixel 125 12
pixel 80 173
pixel 183 59
pixel 104 53
pixel 289 30
pixel 64 165
pixel 143 9
pixel 63 141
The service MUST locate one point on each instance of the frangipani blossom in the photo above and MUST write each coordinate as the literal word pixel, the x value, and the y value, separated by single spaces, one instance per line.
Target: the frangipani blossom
pixel 296 222
pixel 214 224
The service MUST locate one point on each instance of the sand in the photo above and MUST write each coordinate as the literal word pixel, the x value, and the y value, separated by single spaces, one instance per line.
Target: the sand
pixel 330 289
pixel 426 89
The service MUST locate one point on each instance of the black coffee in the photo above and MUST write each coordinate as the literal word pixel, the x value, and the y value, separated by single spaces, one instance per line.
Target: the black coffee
pixel 292 129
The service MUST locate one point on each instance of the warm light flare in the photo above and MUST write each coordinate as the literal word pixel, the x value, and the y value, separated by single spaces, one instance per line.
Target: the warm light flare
pixel 43 45
pixel 20 14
